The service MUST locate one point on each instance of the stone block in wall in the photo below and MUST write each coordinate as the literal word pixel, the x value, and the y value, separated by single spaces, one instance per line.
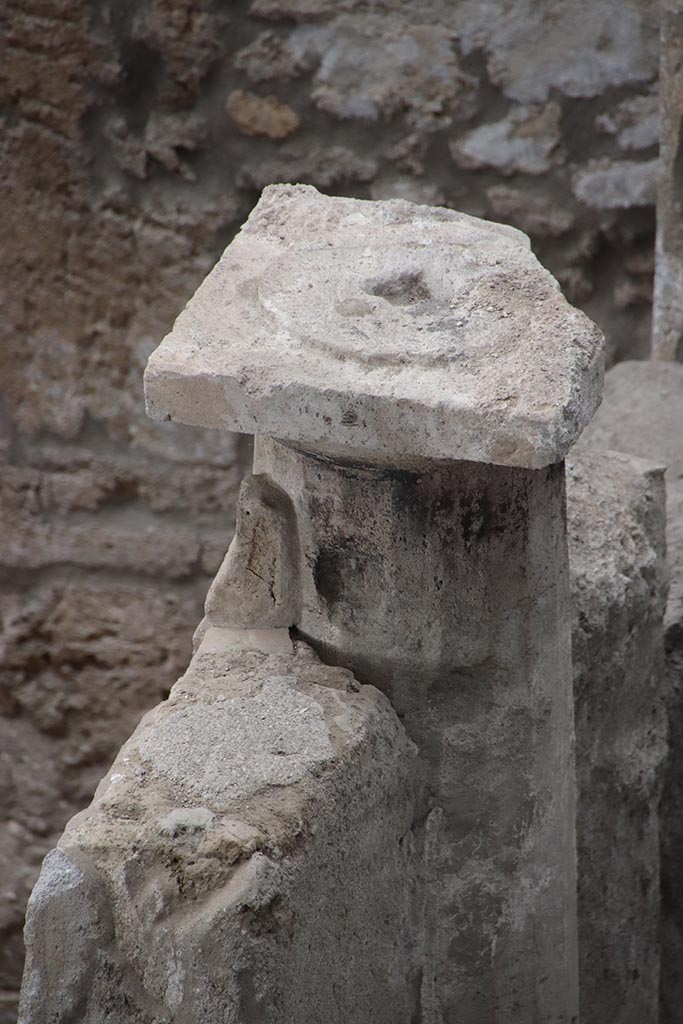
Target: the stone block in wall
pixel 117 203
pixel 642 413
pixel 616 184
pixel 248 857
pixel 616 517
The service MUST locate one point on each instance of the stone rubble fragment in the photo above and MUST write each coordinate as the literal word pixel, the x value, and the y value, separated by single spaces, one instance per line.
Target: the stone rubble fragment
pixel 634 122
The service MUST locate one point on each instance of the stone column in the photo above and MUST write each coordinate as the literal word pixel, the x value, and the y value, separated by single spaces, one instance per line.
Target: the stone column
pixel 415 379
pixel 667 326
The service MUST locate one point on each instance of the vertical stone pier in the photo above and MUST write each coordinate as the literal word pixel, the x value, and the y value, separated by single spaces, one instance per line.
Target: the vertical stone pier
pixel 415 379
pixel 667 320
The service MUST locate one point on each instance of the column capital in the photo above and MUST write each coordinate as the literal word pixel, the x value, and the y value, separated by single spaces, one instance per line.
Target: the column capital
pixel 384 332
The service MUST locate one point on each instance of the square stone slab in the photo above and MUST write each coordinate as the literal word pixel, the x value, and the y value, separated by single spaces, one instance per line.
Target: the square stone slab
pixel 384 332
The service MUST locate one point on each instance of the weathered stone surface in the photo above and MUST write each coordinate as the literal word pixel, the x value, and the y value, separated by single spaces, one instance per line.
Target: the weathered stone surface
pixel 667 321
pixel 508 372
pixel 104 514
pixel 261 115
pixel 634 122
pixel 257 584
pixel 643 413
pixel 405 471
pixel 522 143
pixel 383 554
pixel 617 594
pixel 580 49
pixel 616 516
pixel 92 630
pixel 617 184
pixel 251 887
pixel 532 213
pixel 354 55
pixel 672 825
pixel 122 180
pixel 652 395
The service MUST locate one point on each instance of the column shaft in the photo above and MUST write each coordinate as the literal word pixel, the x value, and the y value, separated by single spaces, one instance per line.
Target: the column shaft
pixel 448 589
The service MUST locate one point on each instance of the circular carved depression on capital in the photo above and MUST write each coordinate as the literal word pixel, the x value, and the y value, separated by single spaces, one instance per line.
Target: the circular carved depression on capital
pixel 403 304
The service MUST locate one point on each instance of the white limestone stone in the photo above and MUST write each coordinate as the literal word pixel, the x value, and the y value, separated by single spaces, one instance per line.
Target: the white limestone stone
pixel 223 877
pixel 425 334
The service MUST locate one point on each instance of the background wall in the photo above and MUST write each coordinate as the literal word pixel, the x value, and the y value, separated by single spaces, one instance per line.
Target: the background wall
pixel 136 136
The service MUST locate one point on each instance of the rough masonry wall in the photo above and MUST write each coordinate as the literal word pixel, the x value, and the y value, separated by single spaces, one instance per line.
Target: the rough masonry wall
pixel 135 138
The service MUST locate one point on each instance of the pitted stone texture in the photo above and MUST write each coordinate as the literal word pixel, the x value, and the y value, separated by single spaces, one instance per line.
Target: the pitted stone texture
pixel 643 414
pixel 616 517
pixel 382 330
pixel 447 588
pixel 272 738
pixel 256 585
pixel 667 321
pixel 256 893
